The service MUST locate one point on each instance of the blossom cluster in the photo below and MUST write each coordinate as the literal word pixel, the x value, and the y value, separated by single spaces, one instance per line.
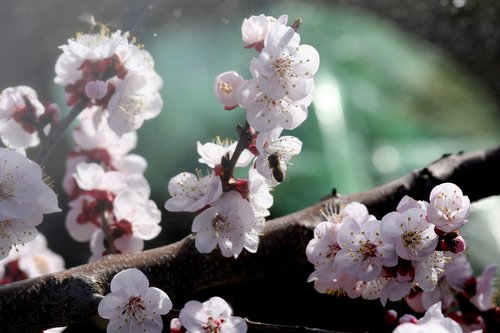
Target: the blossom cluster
pixel 114 81
pixel 134 306
pixel 110 72
pixel 23 118
pixel 356 254
pixel 231 212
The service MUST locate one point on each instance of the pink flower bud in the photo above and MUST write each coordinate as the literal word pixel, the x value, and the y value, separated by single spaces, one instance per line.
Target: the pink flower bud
pixel 408 318
pixel 458 244
pixel 176 326
pixel 390 316
pixel 96 89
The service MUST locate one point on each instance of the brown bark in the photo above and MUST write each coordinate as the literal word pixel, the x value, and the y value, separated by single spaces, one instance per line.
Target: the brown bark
pixel 262 280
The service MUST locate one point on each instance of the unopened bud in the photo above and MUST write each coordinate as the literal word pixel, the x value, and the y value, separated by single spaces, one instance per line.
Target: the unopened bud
pixel 408 318
pixel 390 316
pixel 176 326
pixel 458 244
pixel 96 89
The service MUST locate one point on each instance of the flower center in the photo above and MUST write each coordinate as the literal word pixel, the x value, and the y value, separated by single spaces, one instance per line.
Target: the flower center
pixel 225 88
pixel 411 238
pixel 220 224
pixel 332 250
pixel 368 250
pixel 213 325
pixel 135 308
pixel 282 66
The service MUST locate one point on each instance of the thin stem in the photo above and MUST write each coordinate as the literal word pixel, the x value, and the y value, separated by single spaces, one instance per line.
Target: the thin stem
pixel 56 133
pixel 108 235
pixel 244 139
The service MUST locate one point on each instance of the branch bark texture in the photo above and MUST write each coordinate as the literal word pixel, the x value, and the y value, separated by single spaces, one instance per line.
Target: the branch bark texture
pixel 73 295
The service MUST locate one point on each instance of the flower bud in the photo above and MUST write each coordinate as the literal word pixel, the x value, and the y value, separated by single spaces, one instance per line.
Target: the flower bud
pixel 96 89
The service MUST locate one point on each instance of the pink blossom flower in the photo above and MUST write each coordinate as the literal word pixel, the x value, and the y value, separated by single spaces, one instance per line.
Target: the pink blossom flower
pixel 191 193
pixel 285 68
pixel 410 232
pixel 394 291
pixel 448 208
pixel 126 243
pixel 24 198
pixel 212 316
pixel 363 252
pixel 133 306
pixel 32 260
pixel 211 153
pixel 483 299
pixel 323 248
pixel 433 321
pixel 20 112
pixel 229 223
pixel 227 86
pixel 254 29
pixel 428 270
pixel 265 113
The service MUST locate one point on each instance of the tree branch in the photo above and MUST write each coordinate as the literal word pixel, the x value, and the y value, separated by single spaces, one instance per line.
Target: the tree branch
pixel 72 296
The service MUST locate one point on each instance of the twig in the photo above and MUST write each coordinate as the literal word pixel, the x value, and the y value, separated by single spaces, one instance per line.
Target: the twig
pixel 57 131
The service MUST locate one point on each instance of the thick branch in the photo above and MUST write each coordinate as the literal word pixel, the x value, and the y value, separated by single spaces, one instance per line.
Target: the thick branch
pixel 70 296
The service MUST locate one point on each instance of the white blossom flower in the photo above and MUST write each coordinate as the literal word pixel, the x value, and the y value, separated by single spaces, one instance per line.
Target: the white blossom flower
pixel 285 68
pixel 212 316
pixel 363 252
pixel 230 223
pixel 322 249
pixel 428 271
pixel 191 193
pixel 126 243
pixel 265 113
pixel 254 29
pixel 433 321
pixel 133 306
pixel 24 198
pixel 274 156
pixel 394 291
pixel 20 112
pixel 212 153
pixel 35 259
pixel 410 232
pixel 448 208
pixel 227 86
pixel 408 202
pixel 142 214
pixel 483 299
pixel 136 99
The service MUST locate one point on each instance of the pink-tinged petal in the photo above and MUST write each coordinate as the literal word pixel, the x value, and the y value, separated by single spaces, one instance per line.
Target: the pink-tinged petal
pixel 193 316
pixel 108 306
pixel 131 280
pixel 178 204
pixel 158 300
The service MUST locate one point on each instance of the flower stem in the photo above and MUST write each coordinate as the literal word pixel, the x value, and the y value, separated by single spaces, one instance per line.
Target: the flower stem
pixel 244 139
pixel 56 133
pixel 108 236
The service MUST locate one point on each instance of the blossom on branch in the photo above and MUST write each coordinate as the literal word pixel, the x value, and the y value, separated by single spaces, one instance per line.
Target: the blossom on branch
pixel 24 198
pixel 448 208
pixel 22 116
pixel 212 316
pixel 133 306
pixel 255 28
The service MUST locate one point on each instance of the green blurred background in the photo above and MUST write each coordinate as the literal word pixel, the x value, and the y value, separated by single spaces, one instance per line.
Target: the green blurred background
pixel 386 102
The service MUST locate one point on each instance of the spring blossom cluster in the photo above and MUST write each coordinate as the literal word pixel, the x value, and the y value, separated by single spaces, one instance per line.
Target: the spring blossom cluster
pixel 231 212
pixel 356 254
